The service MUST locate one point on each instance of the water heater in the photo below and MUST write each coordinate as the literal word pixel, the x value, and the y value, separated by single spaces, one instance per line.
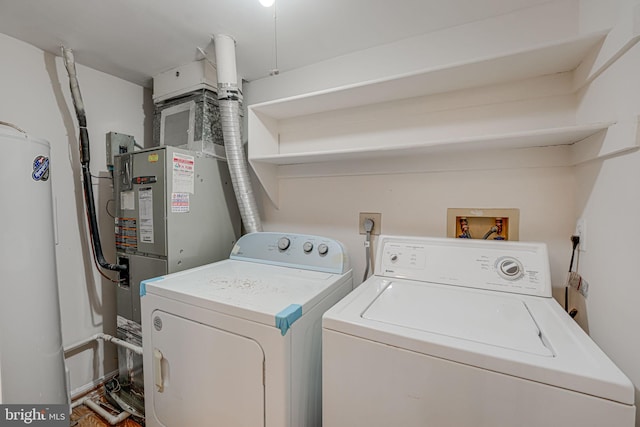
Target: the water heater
pixel 31 352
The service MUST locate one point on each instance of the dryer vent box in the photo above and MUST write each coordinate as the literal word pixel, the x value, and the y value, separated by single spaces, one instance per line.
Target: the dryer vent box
pixel 476 223
pixel 184 79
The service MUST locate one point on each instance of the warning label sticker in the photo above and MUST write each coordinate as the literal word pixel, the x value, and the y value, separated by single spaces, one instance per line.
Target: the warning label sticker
pixel 179 202
pixel 183 173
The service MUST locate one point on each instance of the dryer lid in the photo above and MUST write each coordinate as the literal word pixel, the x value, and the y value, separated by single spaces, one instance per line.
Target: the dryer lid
pixel 264 293
pixel 498 319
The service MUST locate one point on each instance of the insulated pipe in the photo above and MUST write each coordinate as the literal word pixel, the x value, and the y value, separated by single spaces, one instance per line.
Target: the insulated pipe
pixel 229 102
pixel 69 63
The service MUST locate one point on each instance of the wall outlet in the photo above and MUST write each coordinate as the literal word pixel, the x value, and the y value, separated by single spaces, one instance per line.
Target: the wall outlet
pixel 377 222
pixel 581 231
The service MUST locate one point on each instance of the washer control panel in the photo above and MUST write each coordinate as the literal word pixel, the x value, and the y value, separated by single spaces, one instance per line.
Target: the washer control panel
pixel 494 265
pixel 509 268
pixel 302 251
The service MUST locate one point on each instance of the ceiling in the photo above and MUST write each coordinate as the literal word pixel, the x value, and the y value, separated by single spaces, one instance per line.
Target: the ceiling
pixel 137 39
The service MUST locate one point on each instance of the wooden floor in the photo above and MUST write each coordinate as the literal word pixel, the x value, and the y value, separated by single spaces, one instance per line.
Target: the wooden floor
pixel 85 417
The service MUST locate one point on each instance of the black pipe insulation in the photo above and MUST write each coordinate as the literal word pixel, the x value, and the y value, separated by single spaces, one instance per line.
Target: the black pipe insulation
pixel 85 158
pixel 93 223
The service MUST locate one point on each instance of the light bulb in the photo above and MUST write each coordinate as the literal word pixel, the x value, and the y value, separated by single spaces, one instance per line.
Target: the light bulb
pixel 267 3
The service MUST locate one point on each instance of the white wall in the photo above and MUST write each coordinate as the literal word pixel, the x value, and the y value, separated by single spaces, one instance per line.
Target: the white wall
pixel 35 97
pixel 550 199
pixel 607 197
pixel 416 204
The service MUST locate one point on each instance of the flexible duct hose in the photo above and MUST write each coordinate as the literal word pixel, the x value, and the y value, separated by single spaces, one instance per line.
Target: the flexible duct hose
pixel 228 97
pixel 230 116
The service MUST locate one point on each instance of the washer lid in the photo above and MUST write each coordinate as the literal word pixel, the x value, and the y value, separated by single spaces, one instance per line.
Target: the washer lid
pixel 275 296
pixel 498 320
pixel 576 363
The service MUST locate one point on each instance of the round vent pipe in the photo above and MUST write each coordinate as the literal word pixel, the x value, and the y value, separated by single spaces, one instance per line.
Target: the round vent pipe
pixel 229 97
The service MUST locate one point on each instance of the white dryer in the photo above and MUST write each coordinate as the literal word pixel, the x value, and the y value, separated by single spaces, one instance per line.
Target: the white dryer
pixel 237 343
pixel 464 333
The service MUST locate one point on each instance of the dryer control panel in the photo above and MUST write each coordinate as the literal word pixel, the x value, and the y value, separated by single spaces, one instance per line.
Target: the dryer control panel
pixel 517 267
pixel 302 251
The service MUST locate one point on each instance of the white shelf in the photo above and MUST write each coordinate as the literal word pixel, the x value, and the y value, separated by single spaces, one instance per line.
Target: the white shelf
pixel 551 58
pixel 268 120
pixel 525 139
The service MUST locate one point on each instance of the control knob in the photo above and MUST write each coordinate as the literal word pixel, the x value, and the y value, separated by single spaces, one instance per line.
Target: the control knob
pixel 283 243
pixel 510 268
pixel 323 249
pixel 307 247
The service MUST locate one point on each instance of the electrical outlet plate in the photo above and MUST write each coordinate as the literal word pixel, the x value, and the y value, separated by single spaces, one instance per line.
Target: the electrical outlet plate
pixel 481 220
pixel 581 230
pixel 377 222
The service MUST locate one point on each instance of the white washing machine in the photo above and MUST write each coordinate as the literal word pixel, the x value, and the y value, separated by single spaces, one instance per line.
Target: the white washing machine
pixel 464 333
pixel 237 343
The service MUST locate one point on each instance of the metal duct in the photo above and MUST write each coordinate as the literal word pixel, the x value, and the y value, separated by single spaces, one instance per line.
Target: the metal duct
pixel 229 97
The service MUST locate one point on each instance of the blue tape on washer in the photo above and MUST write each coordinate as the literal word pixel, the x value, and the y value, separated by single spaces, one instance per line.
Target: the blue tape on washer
pixel 286 317
pixel 143 284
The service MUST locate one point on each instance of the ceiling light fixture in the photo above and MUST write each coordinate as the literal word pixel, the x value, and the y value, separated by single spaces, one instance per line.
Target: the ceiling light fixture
pixel 267 3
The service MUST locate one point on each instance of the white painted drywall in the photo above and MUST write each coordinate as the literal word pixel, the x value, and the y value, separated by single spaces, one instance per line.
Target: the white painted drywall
pixel 550 199
pixel 35 96
pixel 416 204
pixel 607 197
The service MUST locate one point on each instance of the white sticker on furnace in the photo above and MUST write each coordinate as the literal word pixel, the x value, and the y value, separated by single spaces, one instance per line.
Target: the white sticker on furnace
pixel 127 200
pixel 179 202
pixel 183 173
pixel 145 213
